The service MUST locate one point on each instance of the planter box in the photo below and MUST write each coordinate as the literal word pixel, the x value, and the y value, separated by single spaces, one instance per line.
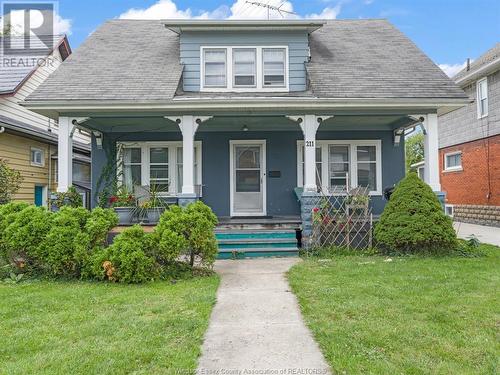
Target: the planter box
pixel 153 214
pixel 124 215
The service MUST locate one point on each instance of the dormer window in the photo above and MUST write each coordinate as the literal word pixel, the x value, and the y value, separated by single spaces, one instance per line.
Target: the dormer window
pixel 273 61
pixel 215 67
pixel 244 68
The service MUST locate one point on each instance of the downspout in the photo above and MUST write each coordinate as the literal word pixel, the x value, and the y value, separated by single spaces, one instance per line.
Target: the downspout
pixel 50 178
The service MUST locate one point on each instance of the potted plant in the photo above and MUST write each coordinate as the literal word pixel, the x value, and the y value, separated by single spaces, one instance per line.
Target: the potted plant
pixel 151 204
pixel 124 204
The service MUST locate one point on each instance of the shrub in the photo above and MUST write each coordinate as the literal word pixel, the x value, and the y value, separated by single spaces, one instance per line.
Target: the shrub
pixel 413 221
pixel 127 259
pixel 23 236
pixel 57 250
pixel 189 231
pixel 69 198
pixel 7 215
pixel 10 181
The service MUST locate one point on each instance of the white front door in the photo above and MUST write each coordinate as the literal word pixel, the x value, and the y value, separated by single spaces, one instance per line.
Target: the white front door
pixel 248 178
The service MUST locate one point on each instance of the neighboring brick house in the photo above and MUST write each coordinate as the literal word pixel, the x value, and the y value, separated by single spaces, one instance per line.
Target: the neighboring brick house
pixel 469 144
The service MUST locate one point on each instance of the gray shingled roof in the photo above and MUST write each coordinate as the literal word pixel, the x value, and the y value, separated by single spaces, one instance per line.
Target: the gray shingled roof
pixel 373 59
pixel 127 60
pixel 16 68
pixel 132 60
pixel 489 56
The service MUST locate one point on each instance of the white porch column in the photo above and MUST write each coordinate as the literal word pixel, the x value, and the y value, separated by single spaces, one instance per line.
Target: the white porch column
pixel 188 125
pixel 431 152
pixel 64 154
pixel 309 127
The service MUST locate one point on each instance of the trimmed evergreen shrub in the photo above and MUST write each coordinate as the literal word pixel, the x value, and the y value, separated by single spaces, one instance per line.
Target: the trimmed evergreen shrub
pixel 23 236
pixel 192 229
pixel 413 221
pixel 127 259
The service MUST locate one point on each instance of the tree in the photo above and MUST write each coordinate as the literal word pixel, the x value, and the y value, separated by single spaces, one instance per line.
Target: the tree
pixel 414 150
pixel 10 182
pixel 413 221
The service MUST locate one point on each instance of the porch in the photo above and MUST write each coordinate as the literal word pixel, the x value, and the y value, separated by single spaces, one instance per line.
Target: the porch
pixel 250 166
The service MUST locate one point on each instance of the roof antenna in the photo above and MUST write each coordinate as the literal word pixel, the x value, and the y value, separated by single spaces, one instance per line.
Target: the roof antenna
pixel 270 7
pixel 468 64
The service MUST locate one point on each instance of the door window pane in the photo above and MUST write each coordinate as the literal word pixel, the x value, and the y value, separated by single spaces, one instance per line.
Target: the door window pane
pixel 247 157
pixel 248 181
pixel 367 166
pixel 244 67
pixel 215 67
pixel 273 66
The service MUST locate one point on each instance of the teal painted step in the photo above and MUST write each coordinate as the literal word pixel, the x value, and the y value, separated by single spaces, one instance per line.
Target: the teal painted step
pixel 255 254
pixel 235 244
pixel 254 234
pixel 256 245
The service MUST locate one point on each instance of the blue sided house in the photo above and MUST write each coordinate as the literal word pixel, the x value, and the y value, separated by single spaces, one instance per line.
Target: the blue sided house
pixel 248 116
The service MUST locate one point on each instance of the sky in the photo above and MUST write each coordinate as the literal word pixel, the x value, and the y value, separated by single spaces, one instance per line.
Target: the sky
pixel 448 31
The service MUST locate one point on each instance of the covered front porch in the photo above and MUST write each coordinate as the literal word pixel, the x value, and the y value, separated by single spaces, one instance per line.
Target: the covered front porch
pixel 245 165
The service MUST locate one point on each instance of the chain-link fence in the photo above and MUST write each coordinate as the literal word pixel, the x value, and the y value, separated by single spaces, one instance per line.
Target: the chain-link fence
pixel 342 218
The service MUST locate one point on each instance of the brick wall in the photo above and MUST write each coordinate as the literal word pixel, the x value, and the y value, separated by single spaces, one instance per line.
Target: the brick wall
pixel 470 185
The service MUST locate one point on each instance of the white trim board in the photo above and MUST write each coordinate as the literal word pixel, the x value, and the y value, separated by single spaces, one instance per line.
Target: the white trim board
pixel 232 143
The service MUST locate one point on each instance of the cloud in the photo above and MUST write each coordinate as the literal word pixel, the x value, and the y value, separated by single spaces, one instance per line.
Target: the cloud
pixel 60 25
pixel 327 13
pixel 368 2
pixel 452 69
pixel 240 9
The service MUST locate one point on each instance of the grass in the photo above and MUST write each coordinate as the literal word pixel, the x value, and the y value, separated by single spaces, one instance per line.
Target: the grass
pixel 411 315
pixel 102 328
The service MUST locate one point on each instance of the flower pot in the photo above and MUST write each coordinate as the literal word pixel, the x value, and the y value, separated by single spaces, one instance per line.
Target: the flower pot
pixel 153 214
pixel 124 215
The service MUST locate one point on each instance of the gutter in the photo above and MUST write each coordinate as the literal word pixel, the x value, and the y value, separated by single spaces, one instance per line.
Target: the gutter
pixel 483 70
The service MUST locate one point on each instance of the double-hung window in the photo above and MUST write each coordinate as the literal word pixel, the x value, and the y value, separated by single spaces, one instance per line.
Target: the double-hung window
pixel 37 157
pixel 273 66
pixel 343 165
pixel 244 67
pixel 132 161
pixel 158 168
pixel 338 166
pixel 156 164
pixel 482 98
pixel 215 70
pixel 453 161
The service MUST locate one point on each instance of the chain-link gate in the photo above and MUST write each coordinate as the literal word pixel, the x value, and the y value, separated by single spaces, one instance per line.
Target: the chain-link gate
pixel 342 218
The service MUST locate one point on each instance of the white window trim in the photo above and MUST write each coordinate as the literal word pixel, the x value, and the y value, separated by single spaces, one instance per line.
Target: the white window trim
pixel 452 169
pixel 478 98
pixel 229 70
pixel 449 210
pixel 42 157
pixel 172 162
pixel 255 72
pixel 353 161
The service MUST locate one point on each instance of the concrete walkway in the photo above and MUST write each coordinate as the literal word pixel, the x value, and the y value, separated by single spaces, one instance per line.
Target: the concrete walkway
pixel 256 323
pixel 483 233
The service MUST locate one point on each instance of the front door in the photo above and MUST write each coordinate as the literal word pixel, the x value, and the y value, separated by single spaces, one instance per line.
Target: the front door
pixel 39 195
pixel 248 178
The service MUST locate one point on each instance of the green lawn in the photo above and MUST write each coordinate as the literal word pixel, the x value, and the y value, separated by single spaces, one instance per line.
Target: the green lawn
pixel 408 316
pixel 103 328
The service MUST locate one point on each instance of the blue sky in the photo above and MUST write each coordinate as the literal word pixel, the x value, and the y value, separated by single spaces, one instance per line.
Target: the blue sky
pixel 448 31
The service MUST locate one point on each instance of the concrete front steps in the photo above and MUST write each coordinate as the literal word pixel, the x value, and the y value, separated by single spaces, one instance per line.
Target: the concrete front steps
pixel 248 242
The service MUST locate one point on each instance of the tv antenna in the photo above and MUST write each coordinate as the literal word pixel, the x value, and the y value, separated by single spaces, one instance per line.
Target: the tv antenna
pixel 270 7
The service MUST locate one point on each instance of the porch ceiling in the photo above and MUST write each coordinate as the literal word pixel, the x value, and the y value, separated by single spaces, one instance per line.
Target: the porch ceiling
pixel 239 123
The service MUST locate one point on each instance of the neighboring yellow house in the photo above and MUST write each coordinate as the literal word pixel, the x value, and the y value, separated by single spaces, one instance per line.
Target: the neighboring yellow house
pixel 28 141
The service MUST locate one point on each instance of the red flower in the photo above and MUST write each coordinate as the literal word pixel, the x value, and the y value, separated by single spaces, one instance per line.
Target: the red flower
pixel 113 199
pixel 315 209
